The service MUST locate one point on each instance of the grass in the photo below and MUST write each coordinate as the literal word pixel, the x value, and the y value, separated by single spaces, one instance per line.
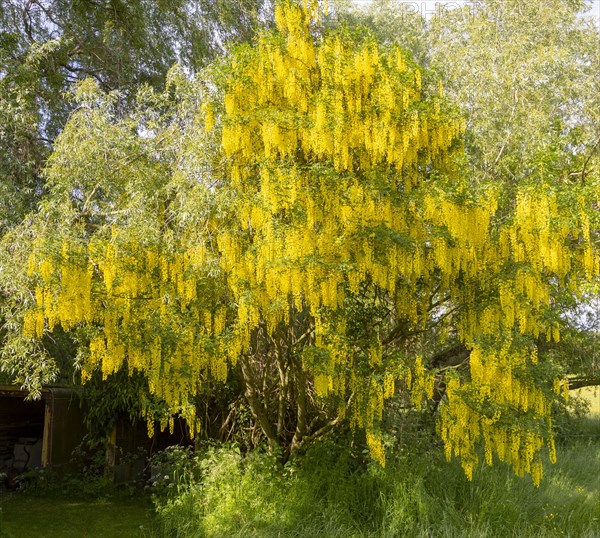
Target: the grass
pixel 417 495
pixel 331 493
pixel 592 396
pixel 64 515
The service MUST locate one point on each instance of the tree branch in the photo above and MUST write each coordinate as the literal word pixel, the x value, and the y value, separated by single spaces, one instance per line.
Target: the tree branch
pixel 583 170
pixel 584 381
pixel 256 406
pixel 453 356
pixel 326 428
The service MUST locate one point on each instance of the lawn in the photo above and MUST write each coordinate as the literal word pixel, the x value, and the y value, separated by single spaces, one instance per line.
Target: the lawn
pixel 592 395
pixel 58 515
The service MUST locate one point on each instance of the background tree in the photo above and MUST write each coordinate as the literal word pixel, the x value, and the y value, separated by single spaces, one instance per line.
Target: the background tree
pixel 46 46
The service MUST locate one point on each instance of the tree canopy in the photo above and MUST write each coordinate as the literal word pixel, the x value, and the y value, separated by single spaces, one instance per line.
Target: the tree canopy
pixel 303 217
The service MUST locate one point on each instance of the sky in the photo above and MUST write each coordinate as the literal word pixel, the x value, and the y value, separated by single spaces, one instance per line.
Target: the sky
pixel 427 8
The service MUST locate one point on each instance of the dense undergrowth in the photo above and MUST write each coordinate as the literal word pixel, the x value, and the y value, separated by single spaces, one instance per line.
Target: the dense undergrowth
pixel 331 492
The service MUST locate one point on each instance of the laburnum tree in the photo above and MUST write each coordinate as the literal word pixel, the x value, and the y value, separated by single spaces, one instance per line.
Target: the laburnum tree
pixel 301 219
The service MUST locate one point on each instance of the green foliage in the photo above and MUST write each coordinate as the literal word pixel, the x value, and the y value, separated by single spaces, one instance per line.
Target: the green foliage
pixel 49 482
pixel 524 74
pixel 104 401
pixel 174 470
pixel 332 493
pixel 525 77
pixel 390 22
pixel 46 47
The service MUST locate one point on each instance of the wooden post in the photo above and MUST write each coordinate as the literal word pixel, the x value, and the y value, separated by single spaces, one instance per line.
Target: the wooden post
pixel 47 435
pixel 111 453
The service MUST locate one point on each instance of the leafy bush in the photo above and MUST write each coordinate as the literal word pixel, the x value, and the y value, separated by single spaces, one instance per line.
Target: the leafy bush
pixel 333 491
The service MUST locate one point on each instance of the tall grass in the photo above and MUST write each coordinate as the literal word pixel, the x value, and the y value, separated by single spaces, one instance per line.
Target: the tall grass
pixel 332 493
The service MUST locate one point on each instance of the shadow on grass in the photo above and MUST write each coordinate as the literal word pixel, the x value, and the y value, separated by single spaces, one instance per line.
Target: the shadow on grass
pixel 58 515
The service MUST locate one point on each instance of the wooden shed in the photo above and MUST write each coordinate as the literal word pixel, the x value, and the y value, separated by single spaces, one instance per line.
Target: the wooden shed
pixel 39 433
